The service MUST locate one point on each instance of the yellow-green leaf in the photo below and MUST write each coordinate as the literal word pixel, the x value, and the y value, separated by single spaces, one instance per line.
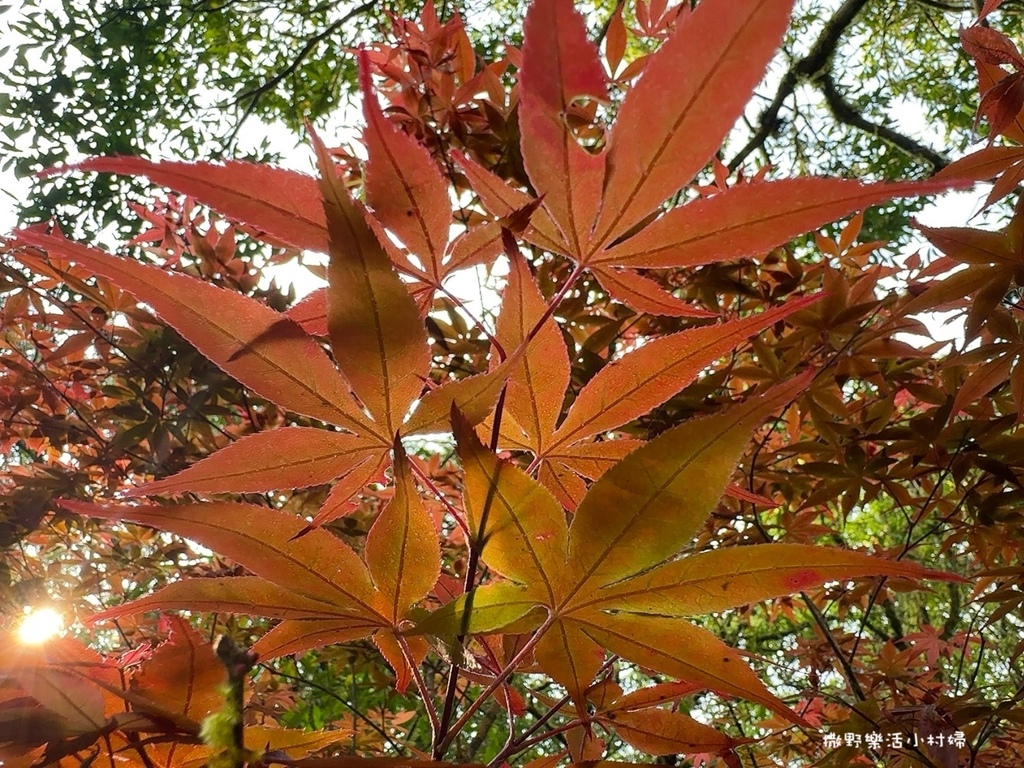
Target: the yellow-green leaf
pixel 648 506
pixel 402 548
pixel 518 525
pixel 487 608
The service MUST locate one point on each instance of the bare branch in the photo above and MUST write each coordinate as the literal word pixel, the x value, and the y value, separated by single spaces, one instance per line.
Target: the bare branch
pixel 846 113
pixel 809 67
pixel 253 95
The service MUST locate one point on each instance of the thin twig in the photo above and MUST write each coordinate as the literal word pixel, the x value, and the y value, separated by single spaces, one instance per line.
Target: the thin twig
pixel 421 686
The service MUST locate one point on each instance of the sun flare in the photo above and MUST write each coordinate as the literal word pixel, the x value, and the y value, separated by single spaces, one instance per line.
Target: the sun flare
pixel 40 625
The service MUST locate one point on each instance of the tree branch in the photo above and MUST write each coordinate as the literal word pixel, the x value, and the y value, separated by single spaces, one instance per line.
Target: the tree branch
pixel 846 113
pixel 809 67
pixel 255 94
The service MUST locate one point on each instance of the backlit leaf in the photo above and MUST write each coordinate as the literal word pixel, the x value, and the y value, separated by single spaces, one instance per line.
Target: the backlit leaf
pixel 660 732
pixel 560 65
pixel 643 294
pixel 183 674
pixel 311 313
pixel 487 608
pixel 570 656
pixel 299 635
pixel 648 376
pixel 692 91
pixel 317 565
pixel 376 332
pixel 663 491
pixel 503 200
pixel 474 396
pixel 714 581
pixel 251 342
pixel 677 648
pixel 284 204
pixel 520 528
pixel 234 594
pixel 288 457
pixel 537 385
pixel 402 549
pixel 751 219
pixel 404 186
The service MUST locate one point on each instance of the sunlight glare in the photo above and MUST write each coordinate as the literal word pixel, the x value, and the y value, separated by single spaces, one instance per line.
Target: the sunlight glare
pixel 40 625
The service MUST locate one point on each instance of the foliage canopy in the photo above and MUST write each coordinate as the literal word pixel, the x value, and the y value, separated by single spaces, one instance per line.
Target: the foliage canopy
pixel 671 498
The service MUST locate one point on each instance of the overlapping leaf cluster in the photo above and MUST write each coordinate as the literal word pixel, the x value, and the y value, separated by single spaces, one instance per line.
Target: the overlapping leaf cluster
pixel 571 548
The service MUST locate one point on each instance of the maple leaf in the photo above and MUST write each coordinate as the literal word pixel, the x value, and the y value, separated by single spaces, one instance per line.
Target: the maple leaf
pixel 611 581
pixel 994 261
pixel 378 338
pixel 620 392
pixel 608 582
pixel 321 591
pixel 601 208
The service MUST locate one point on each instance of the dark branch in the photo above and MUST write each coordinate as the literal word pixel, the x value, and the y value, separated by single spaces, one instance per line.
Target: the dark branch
pixel 809 67
pixel 846 113
pixel 253 95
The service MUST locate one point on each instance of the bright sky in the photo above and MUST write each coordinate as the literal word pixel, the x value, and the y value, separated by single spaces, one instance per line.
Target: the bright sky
pixel 954 209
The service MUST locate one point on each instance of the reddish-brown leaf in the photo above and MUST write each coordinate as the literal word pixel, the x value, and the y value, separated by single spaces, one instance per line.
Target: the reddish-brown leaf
pixel 973 246
pixel 643 294
pixel 650 375
pixel 752 218
pixel 251 342
pixel 404 186
pixel 477 245
pixel 402 548
pixel 317 565
pixel 376 332
pixel 537 384
pixel 78 705
pixel 570 657
pixel 567 486
pixel 284 204
pixel 288 457
pixel 245 595
pixel 183 674
pixel 984 164
pixel 691 92
pixel 339 501
pixel 311 313
pixel 677 648
pixel 503 200
pixel 981 381
pixel 300 635
pixel 990 46
pixel 615 40
pixel 660 732
pixel 560 65
pixel 988 76
pixel 474 396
